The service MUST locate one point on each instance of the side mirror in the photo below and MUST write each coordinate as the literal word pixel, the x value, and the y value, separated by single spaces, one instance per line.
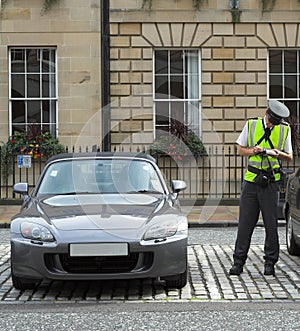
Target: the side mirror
pixel 287 171
pixel 21 188
pixel 178 185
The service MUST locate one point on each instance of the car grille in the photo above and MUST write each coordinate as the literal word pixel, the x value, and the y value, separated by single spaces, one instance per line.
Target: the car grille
pixel 99 264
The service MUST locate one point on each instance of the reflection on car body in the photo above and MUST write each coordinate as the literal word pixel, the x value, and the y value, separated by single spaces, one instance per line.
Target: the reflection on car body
pixel 99 216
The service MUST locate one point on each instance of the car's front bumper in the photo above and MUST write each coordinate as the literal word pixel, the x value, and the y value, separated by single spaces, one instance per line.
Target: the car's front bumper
pixel 148 259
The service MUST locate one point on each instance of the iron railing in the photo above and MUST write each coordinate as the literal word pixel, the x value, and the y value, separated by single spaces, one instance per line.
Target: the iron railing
pixel 217 174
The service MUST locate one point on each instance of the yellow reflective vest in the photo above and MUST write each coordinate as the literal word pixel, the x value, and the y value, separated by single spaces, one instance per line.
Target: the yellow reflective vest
pixel 262 161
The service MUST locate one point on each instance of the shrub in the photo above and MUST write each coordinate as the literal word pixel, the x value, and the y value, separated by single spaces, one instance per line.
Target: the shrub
pixel 33 142
pixel 180 143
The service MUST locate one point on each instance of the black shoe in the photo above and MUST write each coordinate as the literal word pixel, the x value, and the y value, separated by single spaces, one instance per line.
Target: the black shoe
pixel 269 270
pixel 236 270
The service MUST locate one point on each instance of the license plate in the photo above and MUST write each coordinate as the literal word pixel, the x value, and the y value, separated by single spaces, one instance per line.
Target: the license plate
pixel 99 249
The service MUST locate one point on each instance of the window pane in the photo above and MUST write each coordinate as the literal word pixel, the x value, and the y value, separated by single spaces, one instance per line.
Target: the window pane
pixel 290 61
pixel 17 60
pixel 18 111
pixel 176 62
pixel 191 62
pixel 192 90
pixel 161 62
pixel 176 87
pixel 192 83
pixel 48 85
pixel 48 61
pixel 46 111
pixel 33 112
pixel 161 87
pixel 275 61
pixel 177 111
pixel 18 128
pixel 50 128
pixel 162 113
pixel 275 88
pixel 33 63
pixel 33 86
pixel 193 116
pixel 292 105
pixel 52 111
pixel 290 86
pixel 18 86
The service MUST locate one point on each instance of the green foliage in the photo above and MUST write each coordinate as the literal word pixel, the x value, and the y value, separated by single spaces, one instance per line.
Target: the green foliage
pixel 145 2
pixel 48 5
pixel 268 5
pixel 196 4
pixel 181 148
pixel 3 3
pixel 33 142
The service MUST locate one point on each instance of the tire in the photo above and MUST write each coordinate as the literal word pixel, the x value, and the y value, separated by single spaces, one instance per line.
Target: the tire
pixel 177 281
pixel 23 283
pixel 292 247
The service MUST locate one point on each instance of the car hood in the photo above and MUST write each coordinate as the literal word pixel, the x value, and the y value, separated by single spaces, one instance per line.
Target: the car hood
pixel 106 212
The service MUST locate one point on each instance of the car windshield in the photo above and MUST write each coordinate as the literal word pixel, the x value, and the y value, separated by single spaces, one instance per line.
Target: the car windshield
pixel 87 176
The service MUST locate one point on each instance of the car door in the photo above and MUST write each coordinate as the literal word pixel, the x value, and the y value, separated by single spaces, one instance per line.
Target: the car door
pixel 294 200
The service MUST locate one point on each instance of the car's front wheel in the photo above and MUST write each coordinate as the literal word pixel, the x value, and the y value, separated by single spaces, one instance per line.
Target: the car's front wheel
pixel 292 246
pixel 177 281
pixel 23 283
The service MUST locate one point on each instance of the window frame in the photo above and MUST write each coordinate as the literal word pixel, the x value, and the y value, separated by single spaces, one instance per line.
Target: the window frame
pixel 197 126
pixel 283 74
pixel 41 98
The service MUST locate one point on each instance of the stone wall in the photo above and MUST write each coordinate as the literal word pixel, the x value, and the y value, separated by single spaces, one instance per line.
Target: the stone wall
pixel 233 62
pixel 74 28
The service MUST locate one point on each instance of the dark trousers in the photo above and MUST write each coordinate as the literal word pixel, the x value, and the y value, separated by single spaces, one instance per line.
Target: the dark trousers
pixel 254 199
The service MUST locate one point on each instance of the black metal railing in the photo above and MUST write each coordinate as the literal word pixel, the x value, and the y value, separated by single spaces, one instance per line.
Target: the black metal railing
pixel 217 174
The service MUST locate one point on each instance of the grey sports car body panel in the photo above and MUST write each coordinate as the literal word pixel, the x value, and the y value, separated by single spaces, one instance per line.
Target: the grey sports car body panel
pixel 121 234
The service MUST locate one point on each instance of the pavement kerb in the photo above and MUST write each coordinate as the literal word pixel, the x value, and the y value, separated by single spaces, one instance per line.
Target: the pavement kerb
pixel 198 216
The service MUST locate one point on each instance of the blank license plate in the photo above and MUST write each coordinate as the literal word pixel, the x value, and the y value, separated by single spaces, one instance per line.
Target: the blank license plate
pixel 107 249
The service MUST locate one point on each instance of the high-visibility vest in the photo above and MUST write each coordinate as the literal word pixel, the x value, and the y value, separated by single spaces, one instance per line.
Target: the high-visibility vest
pixel 262 161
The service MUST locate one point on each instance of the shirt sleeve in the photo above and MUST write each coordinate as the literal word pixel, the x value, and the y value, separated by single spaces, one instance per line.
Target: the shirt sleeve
pixel 242 140
pixel 288 148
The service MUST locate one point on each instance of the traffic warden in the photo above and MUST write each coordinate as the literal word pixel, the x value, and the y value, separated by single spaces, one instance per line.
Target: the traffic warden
pixel 266 142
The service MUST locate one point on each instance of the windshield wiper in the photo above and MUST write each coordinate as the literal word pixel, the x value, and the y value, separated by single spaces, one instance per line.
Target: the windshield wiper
pixel 76 193
pixel 144 191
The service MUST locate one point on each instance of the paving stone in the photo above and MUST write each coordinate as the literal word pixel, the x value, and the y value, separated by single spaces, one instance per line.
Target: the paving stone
pixel 208 281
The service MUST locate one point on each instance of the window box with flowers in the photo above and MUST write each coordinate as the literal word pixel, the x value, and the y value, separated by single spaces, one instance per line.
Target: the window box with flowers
pixel 34 142
pixel 180 144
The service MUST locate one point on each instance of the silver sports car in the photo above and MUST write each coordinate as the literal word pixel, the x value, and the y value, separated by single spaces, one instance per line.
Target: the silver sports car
pixel 99 216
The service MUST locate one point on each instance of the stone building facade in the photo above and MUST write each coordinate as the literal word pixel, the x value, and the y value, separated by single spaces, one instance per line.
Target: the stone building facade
pixel 235 65
pixel 233 46
pixel 69 79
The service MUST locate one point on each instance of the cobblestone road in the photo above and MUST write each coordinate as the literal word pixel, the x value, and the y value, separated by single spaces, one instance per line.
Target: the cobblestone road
pixel 208 280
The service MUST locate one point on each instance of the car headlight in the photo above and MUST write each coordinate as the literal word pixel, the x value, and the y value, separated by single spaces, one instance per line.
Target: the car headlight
pixel 36 232
pixel 165 229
